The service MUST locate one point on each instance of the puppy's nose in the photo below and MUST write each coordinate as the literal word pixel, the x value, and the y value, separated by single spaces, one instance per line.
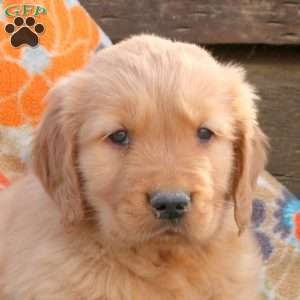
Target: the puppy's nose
pixel 170 205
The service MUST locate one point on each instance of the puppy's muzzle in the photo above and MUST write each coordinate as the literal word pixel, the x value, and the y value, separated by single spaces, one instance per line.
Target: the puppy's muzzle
pixel 170 205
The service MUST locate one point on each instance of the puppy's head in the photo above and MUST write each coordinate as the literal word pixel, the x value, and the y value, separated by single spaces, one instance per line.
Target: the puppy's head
pixel 156 138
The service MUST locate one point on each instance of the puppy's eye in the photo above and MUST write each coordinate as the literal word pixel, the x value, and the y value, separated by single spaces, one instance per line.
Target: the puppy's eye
pixel 204 134
pixel 120 137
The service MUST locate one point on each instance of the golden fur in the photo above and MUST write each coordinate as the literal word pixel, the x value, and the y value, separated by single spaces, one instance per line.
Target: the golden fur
pixel 80 226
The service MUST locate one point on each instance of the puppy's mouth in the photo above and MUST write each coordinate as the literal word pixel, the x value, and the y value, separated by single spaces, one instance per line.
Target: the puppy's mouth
pixel 170 229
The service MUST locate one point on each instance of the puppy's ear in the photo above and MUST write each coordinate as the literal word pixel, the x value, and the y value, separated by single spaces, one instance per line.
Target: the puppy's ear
pixel 54 156
pixel 250 150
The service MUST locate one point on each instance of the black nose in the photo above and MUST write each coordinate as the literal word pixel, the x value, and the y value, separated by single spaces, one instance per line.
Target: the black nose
pixel 170 205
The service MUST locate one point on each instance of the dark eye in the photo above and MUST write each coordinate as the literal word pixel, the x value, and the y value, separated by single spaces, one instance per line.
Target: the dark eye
pixel 120 137
pixel 204 134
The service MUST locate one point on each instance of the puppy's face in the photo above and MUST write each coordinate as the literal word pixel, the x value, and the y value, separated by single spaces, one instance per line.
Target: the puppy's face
pixel 155 138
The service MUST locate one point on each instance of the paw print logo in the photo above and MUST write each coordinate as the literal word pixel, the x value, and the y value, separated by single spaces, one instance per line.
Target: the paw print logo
pixel 24 33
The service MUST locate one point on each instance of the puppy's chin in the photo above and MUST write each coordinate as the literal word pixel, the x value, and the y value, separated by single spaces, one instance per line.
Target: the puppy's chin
pixel 155 231
pixel 167 238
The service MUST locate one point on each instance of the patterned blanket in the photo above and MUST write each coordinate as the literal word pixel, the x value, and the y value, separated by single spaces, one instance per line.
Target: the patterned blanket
pixel 42 41
pixel 276 224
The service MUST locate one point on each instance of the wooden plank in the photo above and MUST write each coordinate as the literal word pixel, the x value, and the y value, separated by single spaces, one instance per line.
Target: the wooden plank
pixel 203 22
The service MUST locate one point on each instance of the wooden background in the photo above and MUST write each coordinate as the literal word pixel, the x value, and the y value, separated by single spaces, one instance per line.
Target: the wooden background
pixel 244 31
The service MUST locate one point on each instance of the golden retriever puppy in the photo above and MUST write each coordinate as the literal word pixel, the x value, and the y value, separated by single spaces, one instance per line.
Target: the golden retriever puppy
pixel 142 176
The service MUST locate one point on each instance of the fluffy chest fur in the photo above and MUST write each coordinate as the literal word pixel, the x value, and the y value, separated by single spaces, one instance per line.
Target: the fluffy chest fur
pixel 86 271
